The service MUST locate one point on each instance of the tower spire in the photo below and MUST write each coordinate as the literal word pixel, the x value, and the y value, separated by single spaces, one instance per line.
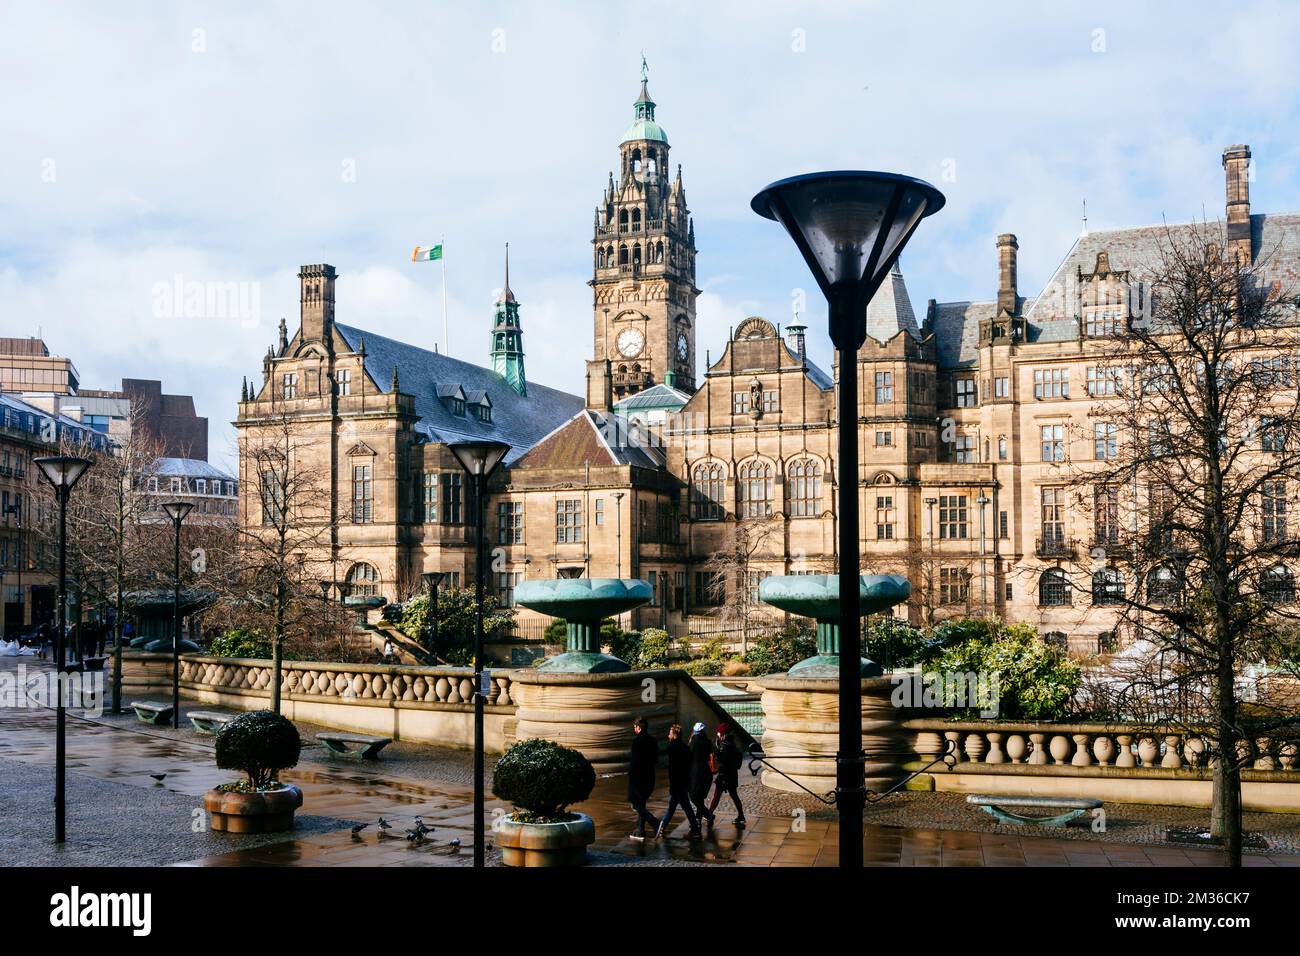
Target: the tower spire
pixel 506 294
pixel 508 337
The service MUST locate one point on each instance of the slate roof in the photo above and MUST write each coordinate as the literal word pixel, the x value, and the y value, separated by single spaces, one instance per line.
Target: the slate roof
pixel 657 396
pixel 890 309
pixel 187 468
pixel 591 436
pixel 519 420
pixel 956 331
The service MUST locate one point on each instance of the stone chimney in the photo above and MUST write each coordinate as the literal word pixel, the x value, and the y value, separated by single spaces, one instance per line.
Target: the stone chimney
pixel 1007 299
pixel 1236 175
pixel 316 302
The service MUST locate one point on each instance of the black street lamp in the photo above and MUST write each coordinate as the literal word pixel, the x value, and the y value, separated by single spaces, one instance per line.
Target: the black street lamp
pixel 176 510
pixel 62 472
pixel 850 227
pixel 479 459
pixel 325 594
pixel 432 581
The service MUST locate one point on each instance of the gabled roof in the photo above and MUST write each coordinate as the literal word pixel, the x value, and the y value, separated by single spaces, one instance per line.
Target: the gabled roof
pixel 657 396
pixel 518 420
pixel 890 309
pixel 595 438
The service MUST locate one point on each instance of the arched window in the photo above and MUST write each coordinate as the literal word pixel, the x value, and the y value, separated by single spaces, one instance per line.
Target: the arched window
pixel 609 256
pixel 1108 586
pixel 1164 586
pixel 1277 585
pixel 600 258
pixel 803 484
pixel 636 256
pixel 363 580
pixel 622 220
pixel 708 484
pixel 659 252
pixel 755 481
pixel 1053 588
pixel 622 255
pixel 636 220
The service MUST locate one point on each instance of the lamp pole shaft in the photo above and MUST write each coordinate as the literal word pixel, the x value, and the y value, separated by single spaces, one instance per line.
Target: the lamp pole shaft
pixel 479 580
pixel 60 719
pixel 850 798
pixel 176 627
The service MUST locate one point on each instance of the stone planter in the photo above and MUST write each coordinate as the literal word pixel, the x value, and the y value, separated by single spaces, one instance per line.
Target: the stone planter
pixel 266 812
pixel 545 844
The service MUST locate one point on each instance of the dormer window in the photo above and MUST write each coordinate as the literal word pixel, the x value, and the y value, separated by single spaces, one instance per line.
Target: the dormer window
pixel 458 406
pixel 484 412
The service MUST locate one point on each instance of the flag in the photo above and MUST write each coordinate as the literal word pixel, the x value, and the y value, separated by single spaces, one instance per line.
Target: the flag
pixel 427 253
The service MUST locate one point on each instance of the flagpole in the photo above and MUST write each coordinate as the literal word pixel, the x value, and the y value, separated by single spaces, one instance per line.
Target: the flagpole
pixel 446 345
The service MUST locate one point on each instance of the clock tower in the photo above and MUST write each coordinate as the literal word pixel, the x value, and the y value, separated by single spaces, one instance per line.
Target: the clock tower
pixel 644 270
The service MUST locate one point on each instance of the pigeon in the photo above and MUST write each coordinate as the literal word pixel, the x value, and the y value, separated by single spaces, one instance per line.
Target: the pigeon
pixel 454 843
pixel 414 836
pixel 384 824
pixel 159 777
pixel 359 827
pixel 421 827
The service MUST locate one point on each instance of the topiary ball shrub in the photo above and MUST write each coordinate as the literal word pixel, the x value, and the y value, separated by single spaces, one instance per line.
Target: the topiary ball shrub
pixel 261 743
pixel 541 779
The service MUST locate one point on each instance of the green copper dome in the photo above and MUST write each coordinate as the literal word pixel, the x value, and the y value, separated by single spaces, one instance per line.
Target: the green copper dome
pixel 643 123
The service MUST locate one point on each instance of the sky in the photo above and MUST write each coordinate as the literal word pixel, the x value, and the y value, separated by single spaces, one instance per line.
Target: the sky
pixel 148 146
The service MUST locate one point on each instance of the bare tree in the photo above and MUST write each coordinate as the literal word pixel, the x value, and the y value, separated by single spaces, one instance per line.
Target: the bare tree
pixel 732 570
pixel 1196 462
pixel 288 519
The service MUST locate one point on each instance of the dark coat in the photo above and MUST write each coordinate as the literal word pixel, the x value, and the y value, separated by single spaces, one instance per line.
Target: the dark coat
pixel 679 768
pixel 729 762
pixel 641 773
pixel 701 775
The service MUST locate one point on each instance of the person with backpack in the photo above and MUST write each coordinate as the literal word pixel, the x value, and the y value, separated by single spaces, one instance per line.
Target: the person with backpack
pixel 641 775
pixel 701 777
pixel 728 761
pixel 679 784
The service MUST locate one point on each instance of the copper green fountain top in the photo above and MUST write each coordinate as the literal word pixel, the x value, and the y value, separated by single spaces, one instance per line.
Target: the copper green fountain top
pixel 818 595
pixel 583 599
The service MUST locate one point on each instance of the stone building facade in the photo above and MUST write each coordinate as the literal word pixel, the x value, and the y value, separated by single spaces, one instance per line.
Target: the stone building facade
pixel 969 415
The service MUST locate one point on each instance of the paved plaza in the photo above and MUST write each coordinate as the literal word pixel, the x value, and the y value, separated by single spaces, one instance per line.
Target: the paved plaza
pixel 120 814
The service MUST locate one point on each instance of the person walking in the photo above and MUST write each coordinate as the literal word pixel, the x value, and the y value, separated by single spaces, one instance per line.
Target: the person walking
pixel 729 760
pixel 641 775
pixel 679 784
pixel 701 777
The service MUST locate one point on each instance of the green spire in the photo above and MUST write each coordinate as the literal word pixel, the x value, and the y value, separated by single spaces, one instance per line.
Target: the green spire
pixel 508 337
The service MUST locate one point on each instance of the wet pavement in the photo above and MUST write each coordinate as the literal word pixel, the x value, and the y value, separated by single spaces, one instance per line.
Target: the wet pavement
pixel 112 760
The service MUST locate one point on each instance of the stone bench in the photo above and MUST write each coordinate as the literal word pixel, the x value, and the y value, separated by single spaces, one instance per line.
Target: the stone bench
pixel 1068 808
pixel 208 721
pixel 152 713
pixel 370 746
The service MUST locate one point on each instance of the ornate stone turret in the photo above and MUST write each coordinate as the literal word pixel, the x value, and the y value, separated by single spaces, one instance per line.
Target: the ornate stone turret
pixel 316 301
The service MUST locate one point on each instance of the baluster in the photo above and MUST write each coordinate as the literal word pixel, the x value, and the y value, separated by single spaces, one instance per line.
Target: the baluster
pixel 1286 755
pixel 1082 758
pixel 1194 751
pixel 1125 758
pixel 1016 748
pixel 995 754
pixel 1038 754
pixel 1148 750
pixel 1265 760
pixel 975 746
pixel 1171 759
pixel 1103 748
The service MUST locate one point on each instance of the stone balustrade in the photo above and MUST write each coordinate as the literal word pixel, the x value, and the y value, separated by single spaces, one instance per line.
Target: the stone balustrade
pixel 1108 761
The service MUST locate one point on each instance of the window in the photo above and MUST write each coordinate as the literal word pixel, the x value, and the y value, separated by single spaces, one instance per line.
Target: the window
pixel 1101 322
pixel 1053 588
pixel 1008 592
pixel 964 449
pixel 1051 383
pixel 954 585
pixel 1272 434
pixel 483 411
pixel 707 492
pixel 428 502
pixel 884 517
pixel 1002 525
pixel 152 484
pixel 1002 447
pixel 1277 585
pixel 952 517
pixel 289 385
pixel 710 588
pixel 1160 441
pixel 176 486
pixel 753 580
pixel 1105 440
pixel 272 499
pixel 740 403
pixel 362 495
pixel 1001 387
pixel 770 403
pixel 1052 501
pixel 1164 586
pixel 1272 372
pixel 966 397
pixel 363 581
pixel 344 379
pixel 884 387
pixel 1274 511
pixel 678 596
pixel 755 480
pixel 452 483
pixel 506 582
pixel 1053 442
pixel 568 521
pixel 884 439
pixel 510 522
pixel 804 488
pixel 1102 381
pixel 1105 509
pixel 600 511
pixel 200 486
pixel 1108 586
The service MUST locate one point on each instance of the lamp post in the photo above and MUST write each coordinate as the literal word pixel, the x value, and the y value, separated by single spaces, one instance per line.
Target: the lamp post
pixel 850 228
pixel 432 581
pixel 62 472
pixel 176 510
pixel 479 459
pixel 983 501
pixel 325 594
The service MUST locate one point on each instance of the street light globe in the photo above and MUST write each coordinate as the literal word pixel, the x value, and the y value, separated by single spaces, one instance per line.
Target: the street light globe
pixel 479 457
pixel 62 471
pixel 177 510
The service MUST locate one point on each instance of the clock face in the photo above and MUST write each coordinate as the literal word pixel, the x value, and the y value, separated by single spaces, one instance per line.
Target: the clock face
pixel 630 342
pixel 683 346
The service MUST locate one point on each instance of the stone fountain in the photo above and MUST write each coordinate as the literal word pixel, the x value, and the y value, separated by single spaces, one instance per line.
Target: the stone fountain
pixel 582 603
